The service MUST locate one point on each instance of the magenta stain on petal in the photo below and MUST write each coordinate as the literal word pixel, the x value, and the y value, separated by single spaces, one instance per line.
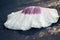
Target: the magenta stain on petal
pixel 32 10
pixel 36 10
pixel 27 10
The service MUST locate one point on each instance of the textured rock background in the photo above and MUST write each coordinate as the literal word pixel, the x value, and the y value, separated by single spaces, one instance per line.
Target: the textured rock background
pixel 8 6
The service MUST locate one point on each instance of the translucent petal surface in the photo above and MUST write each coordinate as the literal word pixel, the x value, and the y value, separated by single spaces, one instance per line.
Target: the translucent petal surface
pixel 20 21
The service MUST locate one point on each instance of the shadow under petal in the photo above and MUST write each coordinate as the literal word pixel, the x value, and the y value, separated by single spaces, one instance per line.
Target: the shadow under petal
pixel 32 31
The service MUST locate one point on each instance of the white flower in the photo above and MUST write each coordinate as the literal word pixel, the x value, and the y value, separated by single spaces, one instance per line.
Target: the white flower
pixel 33 16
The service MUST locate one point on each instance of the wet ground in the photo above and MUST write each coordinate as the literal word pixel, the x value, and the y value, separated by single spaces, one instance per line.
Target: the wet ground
pixel 8 6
